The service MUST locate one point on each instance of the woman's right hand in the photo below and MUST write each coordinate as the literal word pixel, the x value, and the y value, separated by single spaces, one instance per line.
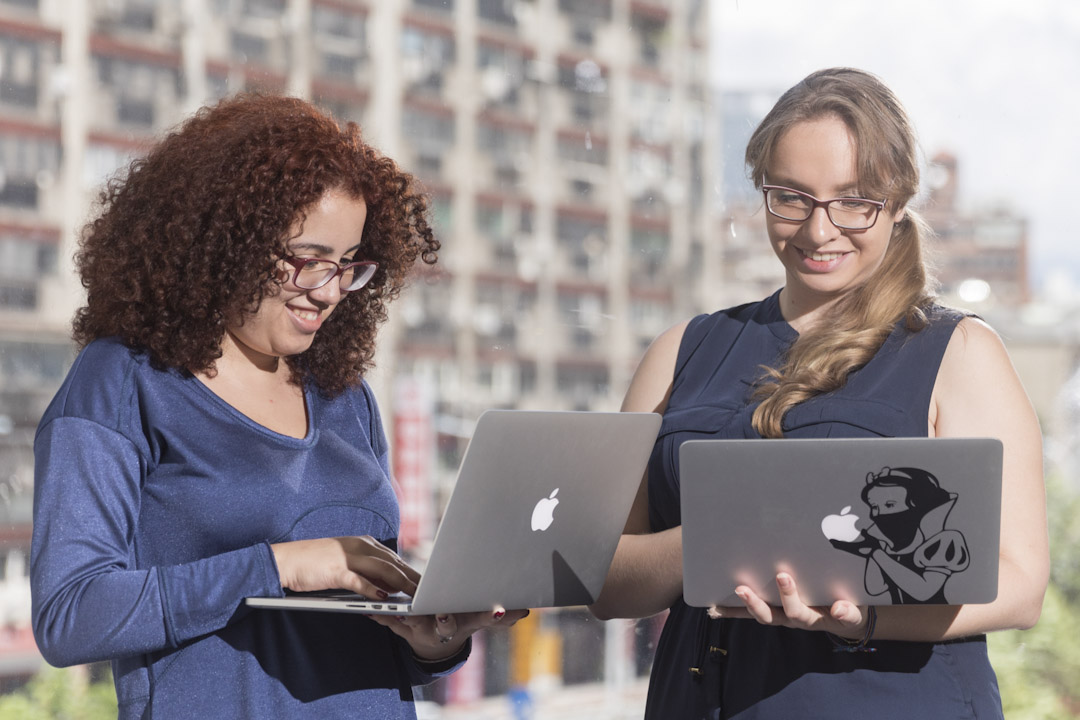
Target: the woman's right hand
pixel 359 564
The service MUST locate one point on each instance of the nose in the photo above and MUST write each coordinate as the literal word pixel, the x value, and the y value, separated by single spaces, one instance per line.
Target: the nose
pixel 329 294
pixel 819 228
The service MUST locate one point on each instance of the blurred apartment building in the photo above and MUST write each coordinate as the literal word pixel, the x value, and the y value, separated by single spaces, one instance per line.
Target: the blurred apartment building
pixel 564 144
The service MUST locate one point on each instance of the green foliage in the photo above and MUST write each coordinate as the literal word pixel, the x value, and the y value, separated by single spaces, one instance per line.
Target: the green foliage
pixel 61 694
pixel 1039 669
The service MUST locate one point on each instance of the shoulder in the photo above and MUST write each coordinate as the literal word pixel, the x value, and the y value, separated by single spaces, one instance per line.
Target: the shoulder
pixel 978 391
pixel 362 400
pixel 653 379
pixel 974 346
pixel 930 337
pixel 99 382
pixel 651 385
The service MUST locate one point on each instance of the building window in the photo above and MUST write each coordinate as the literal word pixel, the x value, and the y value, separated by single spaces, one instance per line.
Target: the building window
pixel 595 9
pixel 582 150
pixel 502 74
pixel 264 8
pixel 497 11
pixel 20 70
pixel 249 48
pixel 426 57
pixel 441 5
pixel 135 112
pixel 27 163
pixel 649 253
pixel 432 133
pixel 26 4
pixel 338 23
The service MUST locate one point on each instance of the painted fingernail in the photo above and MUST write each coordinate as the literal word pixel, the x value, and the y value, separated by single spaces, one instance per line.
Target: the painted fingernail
pixel 499 614
pixel 443 618
pixel 382 594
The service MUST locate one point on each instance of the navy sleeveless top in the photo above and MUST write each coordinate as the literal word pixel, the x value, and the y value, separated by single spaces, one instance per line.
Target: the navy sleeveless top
pixel 749 671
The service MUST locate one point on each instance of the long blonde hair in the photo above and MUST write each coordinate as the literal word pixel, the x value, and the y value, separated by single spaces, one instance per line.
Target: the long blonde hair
pixel 887 162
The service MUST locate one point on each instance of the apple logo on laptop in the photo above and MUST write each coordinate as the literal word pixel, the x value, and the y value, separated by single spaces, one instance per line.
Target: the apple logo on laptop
pixel 841 527
pixel 543 513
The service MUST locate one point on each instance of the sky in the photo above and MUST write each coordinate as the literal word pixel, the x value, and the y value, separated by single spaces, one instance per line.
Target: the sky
pixel 994 82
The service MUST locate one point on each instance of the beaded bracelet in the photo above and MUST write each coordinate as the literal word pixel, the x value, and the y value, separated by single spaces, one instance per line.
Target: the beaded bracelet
pixel 841 644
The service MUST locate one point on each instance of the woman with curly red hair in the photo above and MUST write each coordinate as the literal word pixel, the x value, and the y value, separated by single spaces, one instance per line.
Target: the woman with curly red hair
pixel 215 439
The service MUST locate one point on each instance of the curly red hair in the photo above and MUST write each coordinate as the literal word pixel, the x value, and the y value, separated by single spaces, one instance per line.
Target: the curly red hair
pixel 187 242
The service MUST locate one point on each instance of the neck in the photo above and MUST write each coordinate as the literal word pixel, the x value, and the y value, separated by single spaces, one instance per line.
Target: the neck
pixel 804 313
pixel 242 364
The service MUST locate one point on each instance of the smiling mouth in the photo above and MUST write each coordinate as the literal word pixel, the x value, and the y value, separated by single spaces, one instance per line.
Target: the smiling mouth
pixel 309 315
pixel 821 257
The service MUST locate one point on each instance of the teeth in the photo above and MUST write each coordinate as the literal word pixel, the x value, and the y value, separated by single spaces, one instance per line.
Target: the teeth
pixel 823 257
pixel 305 314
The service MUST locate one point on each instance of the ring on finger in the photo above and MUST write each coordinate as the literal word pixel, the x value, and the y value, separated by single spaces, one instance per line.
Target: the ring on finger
pixel 444 638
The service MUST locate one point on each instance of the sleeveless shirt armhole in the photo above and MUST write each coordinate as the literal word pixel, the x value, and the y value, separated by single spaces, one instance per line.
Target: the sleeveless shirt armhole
pixel 944 320
pixel 693 335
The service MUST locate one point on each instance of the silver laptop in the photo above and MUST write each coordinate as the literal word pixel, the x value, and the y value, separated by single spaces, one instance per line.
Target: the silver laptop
pixel 877 521
pixel 535 516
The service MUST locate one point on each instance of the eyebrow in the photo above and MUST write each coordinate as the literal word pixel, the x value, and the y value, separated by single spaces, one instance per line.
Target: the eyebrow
pixel 318 249
pixel 851 188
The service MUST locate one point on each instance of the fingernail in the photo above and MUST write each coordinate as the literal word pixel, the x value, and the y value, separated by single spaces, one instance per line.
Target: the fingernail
pixel 443 618
pixel 399 618
pixel 715 613
pixel 499 614
pixel 382 594
pixel 783 581
pixel 742 594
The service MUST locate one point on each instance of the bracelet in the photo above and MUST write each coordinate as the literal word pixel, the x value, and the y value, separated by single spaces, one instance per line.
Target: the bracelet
pixel 841 644
pixel 435 667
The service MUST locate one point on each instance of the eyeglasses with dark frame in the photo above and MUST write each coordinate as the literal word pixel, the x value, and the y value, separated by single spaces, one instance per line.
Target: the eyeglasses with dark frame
pixel 848 213
pixel 313 273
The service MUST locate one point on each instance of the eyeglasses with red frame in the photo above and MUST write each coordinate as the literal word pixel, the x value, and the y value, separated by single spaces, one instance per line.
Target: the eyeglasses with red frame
pixel 313 273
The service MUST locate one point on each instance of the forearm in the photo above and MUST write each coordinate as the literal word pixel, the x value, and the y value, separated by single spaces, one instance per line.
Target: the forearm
pixel 81 617
pixel 645 576
pixel 1017 606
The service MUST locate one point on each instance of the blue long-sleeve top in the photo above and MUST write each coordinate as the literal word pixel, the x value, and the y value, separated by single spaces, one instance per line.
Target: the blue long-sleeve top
pixel 155 504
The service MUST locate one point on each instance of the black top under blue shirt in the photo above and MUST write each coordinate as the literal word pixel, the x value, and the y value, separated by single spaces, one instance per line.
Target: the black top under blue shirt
pixel 754 672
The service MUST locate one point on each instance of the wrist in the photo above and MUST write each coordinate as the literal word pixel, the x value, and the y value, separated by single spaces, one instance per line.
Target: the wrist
pixel 435 665
pixel 278 552
pixel 861 642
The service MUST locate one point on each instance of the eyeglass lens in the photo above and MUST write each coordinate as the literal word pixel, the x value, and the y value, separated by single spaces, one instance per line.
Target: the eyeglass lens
pixel 316 273
pixel 850 213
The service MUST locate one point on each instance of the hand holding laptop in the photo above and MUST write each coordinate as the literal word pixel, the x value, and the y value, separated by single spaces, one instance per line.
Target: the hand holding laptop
pixel 439 637
pixel 367 567
pixel 843 618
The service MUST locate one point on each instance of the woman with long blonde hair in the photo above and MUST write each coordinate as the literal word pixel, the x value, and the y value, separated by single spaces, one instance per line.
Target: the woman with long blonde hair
pixel 853 345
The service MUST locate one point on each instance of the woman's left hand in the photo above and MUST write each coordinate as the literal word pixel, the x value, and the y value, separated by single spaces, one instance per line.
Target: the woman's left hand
pixel 843 618
pixel 437 637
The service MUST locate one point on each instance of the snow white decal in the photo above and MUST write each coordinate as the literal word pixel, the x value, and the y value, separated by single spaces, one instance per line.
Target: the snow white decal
pixel 909 552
